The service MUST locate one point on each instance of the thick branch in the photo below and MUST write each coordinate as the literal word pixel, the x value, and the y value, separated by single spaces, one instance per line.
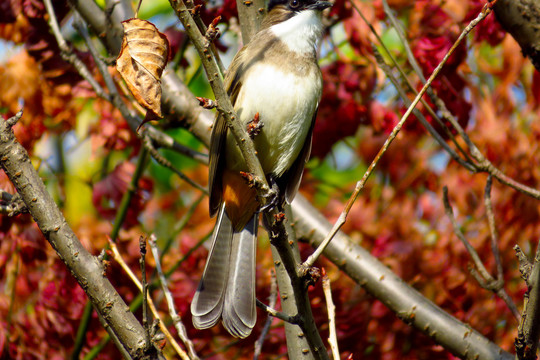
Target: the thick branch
pixel 86 268
pixel 376 278
pixel 250 14
pixel 409 305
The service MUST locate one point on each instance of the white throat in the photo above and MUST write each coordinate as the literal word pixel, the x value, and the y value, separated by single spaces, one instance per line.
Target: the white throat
pixel 301 32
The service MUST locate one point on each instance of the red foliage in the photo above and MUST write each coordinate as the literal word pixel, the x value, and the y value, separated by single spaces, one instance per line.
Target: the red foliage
pixel 489 30
pixel 112 132
pixel 342 108
pixel 209 11
pixel 107 194
pixel 399 217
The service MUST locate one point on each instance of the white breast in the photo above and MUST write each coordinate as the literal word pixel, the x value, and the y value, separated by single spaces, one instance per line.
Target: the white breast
pixel 301 32
pixel 286 104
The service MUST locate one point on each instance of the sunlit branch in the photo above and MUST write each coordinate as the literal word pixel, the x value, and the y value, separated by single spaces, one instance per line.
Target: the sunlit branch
pixel 272 299
pixel 225 107
pixel 85 268
pixel 360 184
pixel 406 99
pixel 331 308
pixel 177 320
pixel 119 259
pixel 480 163
pixel 378 280
pixel 529 327
pixel 68 55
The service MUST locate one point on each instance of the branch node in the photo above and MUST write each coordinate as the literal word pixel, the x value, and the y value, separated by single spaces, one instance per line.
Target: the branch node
pixel 206 103
pixel 254 126
pixel 14 119
pixel 525 266
pixel 212 33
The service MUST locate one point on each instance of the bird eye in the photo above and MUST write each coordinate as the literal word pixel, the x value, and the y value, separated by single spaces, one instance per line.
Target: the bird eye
pixel 294 4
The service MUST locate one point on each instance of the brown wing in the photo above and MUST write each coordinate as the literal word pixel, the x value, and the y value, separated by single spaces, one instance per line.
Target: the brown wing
pixel 290 181
pixel 219 136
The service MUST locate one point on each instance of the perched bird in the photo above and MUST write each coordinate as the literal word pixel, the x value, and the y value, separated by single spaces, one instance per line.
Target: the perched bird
pixel 277 77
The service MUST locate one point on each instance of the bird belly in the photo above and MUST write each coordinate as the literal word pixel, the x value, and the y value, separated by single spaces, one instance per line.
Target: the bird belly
pixel 286 104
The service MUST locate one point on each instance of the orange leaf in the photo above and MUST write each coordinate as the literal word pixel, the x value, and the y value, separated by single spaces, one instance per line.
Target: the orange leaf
pixel 141 61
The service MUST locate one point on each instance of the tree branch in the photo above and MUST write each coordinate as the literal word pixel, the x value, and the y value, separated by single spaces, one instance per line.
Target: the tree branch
pixel 359 264
pixel 86 269
pixel 224 106
pixel 529 327
pixel 378 280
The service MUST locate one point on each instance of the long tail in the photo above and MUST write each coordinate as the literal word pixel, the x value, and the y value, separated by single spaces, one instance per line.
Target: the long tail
pixel 227 287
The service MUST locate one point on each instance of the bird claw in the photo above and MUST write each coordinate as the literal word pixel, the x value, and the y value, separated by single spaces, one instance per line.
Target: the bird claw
pixel 272 200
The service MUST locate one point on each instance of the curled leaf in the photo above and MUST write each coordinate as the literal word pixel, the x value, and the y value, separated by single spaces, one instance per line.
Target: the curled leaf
pixel 141 61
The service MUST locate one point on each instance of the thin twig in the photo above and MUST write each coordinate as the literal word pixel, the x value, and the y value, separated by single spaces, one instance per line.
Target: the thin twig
pixel 135 280
pixel 470 249
pixel 147 142
pixel 12 205
pixel 332 339
pixel 144 290
pixel 529 328
pixel 272 299
pixel 14 119
pixel 387 71
pixel 405 98
pixel 68 55
pixel 360 185
pixel 482 163
pixel 149 134
pixel 278 314
pixel 203 29
pixel 493 228
pixel 480 272
pixel 164 141
pixel 177 320
pixel 445 113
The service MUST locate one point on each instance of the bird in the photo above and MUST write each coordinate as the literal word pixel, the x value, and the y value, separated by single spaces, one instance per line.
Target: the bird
pixel 275 78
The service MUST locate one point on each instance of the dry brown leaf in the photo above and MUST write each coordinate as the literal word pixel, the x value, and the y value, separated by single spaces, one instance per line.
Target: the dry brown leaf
pixel 144 54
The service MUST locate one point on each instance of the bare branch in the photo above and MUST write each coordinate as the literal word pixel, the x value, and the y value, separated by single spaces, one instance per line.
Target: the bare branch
pixel 86 269
pixel 278 314
pixel 68 55
pixel 332 340
pixel 529 327
pixel 479 272
pixel 482 164
pixel 379 281
pixel 118 258
pixel 147 142
pixel 493 228
pixel 224 104
pixel 144 288
pixel 250 13
pixel 177 320
pixel 272 299
pixel 14 119
pixel 293 289
pixel 360 184
pixel 11 205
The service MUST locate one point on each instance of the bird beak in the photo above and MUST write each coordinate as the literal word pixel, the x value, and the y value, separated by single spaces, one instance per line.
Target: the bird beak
pixel 320 5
